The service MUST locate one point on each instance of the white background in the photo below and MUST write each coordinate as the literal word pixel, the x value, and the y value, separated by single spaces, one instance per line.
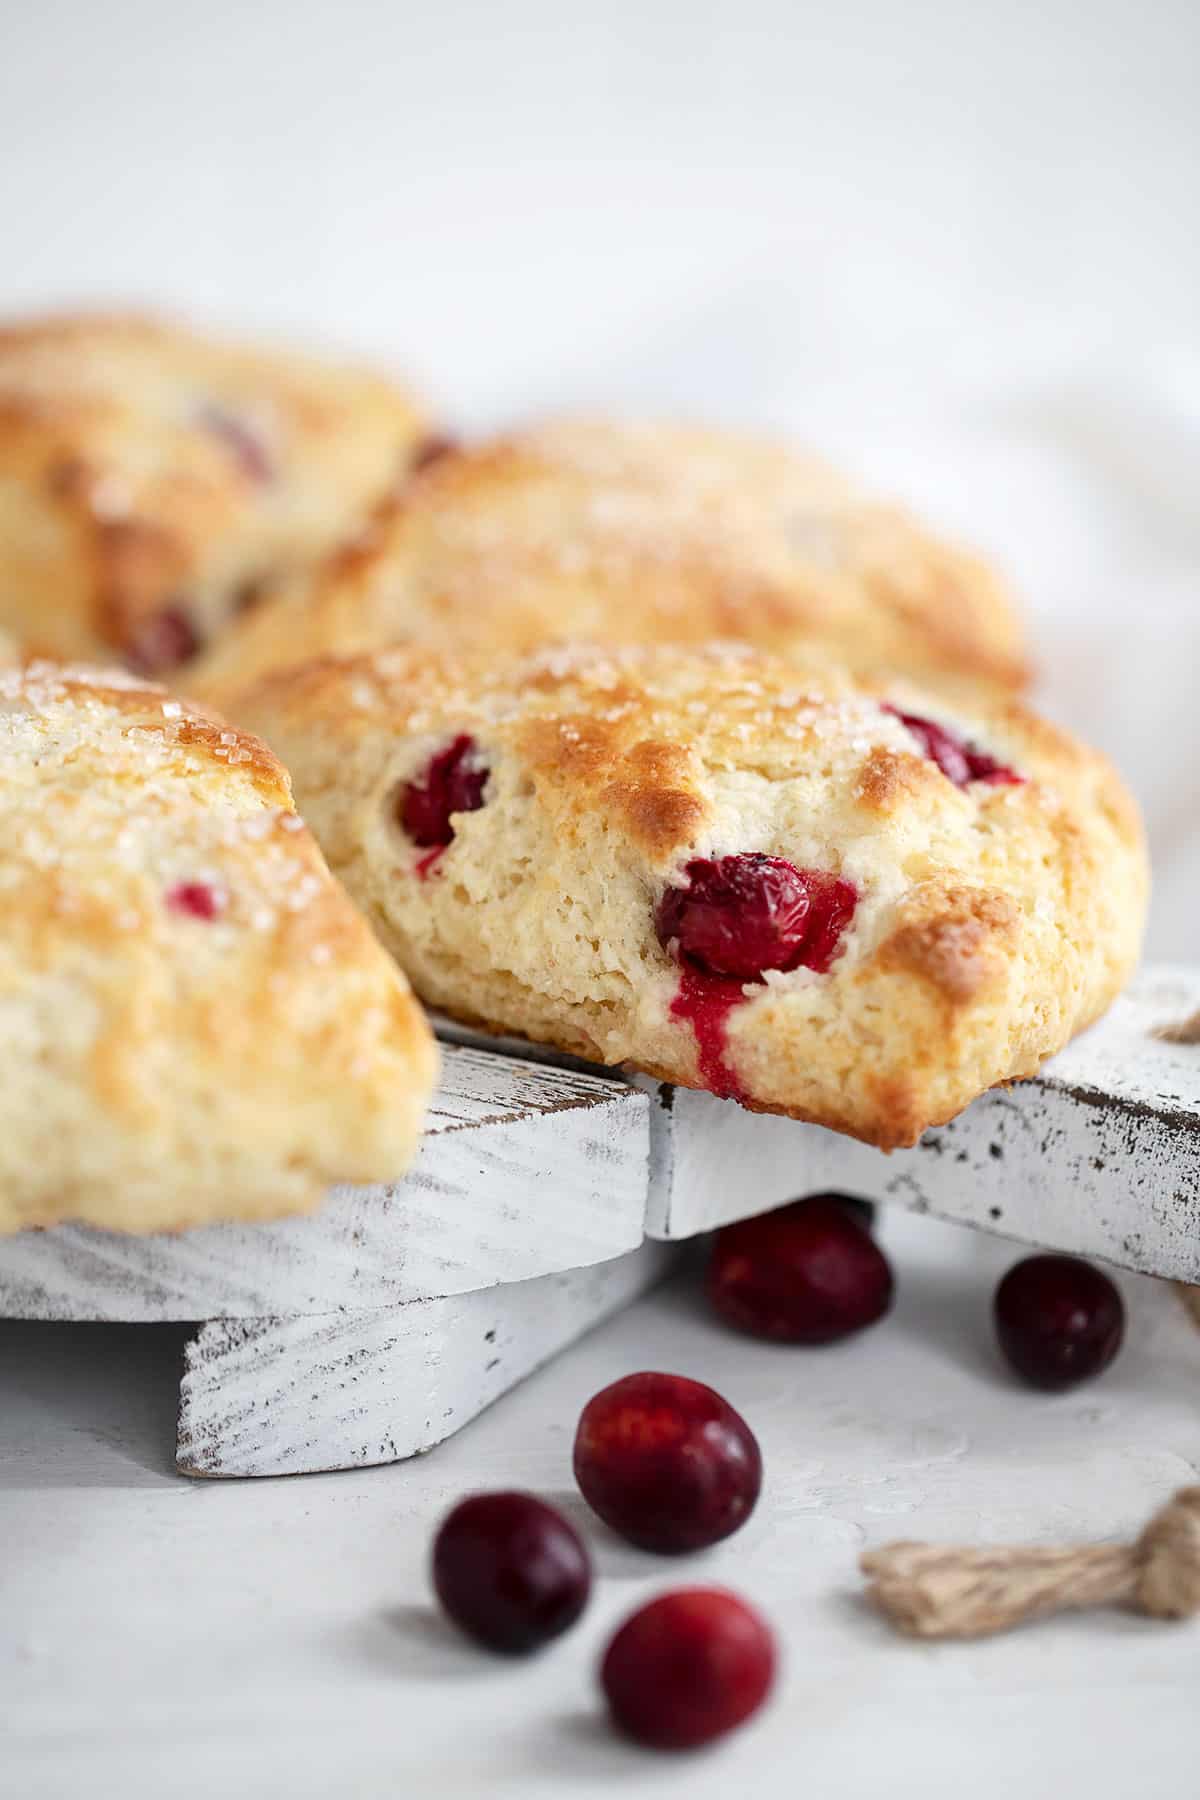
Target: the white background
pixel 955 244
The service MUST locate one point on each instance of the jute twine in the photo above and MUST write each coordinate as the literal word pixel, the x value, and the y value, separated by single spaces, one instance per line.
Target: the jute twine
pixel 938 1591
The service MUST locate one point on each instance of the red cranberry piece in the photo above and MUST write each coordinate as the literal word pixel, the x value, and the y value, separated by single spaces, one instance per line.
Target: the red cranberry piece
pixel 161 642
pixel 198 899
pixel 806 1274
pixel 960 762
pixel 510 1571
pixel 242 439
pixel 453 782
pixel 666 1462
pixel 687 1668
pixel 1059 1320
pixel 740 915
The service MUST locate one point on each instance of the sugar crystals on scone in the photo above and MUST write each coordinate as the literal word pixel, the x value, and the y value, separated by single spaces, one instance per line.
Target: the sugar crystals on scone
pixel 625 533
pixel 196 1024
pixel 154 481
pixel 837 898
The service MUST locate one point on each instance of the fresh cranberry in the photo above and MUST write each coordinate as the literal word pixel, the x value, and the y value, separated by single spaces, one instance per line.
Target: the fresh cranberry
pixel 667 1462
pixel 687 1668
pixel 453 782
pixel 741 915
pixel 510 1571
pixel 863 1212
pixel 960 762
pixel 243 441
pixel 806 1274
pixel 198 899
pixel 161 642
pixel 1059 1320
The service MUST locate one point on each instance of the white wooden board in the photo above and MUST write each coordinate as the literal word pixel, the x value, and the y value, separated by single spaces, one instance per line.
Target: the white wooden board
pixel 338 1391
pixel 525 1170
pixel 353 1336
pixel 1099 1155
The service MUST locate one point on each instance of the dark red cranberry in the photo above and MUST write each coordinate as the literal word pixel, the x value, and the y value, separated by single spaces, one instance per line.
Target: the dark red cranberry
pixel 453 782
pixel 510 1571
pixel 687 1668
pixel 1059 1320
pixel 667 1462
pixel 198 899
pixel 960 762
pixel 242 439
pixel 741 915
pixel 806 1274
pixel 161 642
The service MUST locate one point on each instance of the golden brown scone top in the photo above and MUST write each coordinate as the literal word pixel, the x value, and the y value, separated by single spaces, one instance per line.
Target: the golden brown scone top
pixel 642 534
pixel 196 1023
pixel 153 478
pixel 994 918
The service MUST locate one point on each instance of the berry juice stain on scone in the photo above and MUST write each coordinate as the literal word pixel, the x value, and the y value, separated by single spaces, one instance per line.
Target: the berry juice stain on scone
pixel 453 782
pixel 736 918
pixel 770 878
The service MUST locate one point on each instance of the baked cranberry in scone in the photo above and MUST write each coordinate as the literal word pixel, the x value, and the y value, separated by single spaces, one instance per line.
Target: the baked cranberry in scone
pixel 159 478
pixel 729 870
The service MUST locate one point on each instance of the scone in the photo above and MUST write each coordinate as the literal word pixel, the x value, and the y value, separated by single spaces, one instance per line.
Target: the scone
pixel 626 534
pixel 823 896
pixel 152 481
pixel 195 1023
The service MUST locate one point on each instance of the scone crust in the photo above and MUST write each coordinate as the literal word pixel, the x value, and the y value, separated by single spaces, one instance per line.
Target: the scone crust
pixel 994 921
pixel 197 1024
pixel 130 486
pixel 642 534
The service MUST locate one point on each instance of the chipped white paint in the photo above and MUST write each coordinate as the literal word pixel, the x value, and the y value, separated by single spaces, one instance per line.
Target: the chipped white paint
pixel 524 1171
pixel 280 1396
pixel 352 1336
pixel 1099 1155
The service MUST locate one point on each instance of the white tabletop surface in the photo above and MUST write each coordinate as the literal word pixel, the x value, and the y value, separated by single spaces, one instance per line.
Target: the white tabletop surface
pixel 160 1635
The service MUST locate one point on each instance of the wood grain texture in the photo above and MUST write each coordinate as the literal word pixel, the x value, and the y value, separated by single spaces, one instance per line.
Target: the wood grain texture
pixel 285 1396
pixel 524 1170
pixel 1099 1155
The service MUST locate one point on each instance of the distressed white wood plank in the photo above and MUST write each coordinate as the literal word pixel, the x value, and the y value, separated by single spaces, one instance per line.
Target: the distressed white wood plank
pixel 1100 1154
pixel 292 1396
pixel 525 1170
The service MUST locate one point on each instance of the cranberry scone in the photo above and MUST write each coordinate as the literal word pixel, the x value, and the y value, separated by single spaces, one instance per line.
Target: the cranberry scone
pixel 627 534
pixel 153 480
pixel 821 895
pixel 195 1022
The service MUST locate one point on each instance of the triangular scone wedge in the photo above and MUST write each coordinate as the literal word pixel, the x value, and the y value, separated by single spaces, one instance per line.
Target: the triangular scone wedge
pixel 629 534
pixel 195 1022
pixel 823 897
pixel 153 479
